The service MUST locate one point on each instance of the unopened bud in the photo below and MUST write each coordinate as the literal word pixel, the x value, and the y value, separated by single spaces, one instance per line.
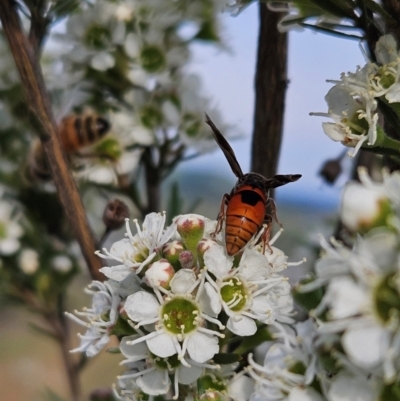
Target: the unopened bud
pixel 171 251
pixel 202 246
pixel 186 260
pixel 191 229
pixel 115 214
pixel 159 274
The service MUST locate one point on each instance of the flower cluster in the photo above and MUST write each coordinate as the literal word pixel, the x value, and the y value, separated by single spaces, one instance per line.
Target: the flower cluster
pixel 353 101
pixel 358 292
pixel 125 60
pixel 176 301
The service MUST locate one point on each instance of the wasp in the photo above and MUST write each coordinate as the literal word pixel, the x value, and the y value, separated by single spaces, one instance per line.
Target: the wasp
pixel 75 132
pixel 245 209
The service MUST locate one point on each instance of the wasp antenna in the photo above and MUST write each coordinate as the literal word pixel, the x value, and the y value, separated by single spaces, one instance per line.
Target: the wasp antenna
pixel 226 148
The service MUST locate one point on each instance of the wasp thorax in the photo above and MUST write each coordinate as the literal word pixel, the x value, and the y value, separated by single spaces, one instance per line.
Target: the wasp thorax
pixel 180 316
pixel 234 294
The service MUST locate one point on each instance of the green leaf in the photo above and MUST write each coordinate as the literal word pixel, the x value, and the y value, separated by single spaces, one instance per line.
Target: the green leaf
pixel 339 8
pixel 308 300
pixel 62 8
pixel 390 392
pixel 122 328
pixel 249 343
pixel 377 8
pixel 207 32
pixel 226 358
pixel 113 350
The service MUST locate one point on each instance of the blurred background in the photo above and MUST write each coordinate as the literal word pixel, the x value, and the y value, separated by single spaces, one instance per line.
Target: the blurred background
pixel 30 366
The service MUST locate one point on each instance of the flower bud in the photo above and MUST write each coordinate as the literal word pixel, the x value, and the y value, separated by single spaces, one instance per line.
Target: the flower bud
pixel 159 274
pixel 191 229
pixel 186 259
pixel 115 214
pixel 171 251
pixel 364 208
pixel 202 246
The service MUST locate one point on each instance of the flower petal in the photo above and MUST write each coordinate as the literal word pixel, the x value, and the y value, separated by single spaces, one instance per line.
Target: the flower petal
pixel 142 306
pixel 162 345
pixel 156 382
pixel 242 327
pixel 202 347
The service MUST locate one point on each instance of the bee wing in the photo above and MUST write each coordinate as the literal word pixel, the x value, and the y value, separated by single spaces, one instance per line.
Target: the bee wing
pixel 226 148
pixel 279 180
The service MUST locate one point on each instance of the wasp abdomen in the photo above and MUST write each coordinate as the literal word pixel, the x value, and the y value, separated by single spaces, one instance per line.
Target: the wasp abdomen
pixel 244 215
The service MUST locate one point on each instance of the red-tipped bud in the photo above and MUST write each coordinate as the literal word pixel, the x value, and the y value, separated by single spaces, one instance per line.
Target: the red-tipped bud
pixel 186 259
pixel 191 229
pixel 159 274
pixel 171 251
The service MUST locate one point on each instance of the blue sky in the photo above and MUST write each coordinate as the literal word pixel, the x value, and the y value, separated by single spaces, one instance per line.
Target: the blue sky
pixel 228 79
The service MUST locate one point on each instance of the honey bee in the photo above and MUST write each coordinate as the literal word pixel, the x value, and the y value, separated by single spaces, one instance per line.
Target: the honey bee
pixel 245 209
pixel 75 132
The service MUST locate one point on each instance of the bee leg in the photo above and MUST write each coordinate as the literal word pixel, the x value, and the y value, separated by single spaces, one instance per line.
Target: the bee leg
pixel 221 215
pixel 266 235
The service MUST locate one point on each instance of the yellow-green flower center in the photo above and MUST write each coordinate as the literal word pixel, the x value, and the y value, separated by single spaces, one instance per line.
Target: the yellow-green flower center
pixel 180 316
pixel 234 294
pixel 385 76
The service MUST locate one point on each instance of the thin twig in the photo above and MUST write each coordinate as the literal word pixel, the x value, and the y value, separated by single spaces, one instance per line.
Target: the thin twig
pixel 39 105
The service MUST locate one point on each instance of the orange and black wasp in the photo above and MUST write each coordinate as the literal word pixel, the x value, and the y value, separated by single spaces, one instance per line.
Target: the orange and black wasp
pixel 247 207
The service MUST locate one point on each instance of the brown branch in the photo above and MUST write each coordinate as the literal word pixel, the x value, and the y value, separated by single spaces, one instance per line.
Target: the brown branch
pixel 43 119
pixel 270 88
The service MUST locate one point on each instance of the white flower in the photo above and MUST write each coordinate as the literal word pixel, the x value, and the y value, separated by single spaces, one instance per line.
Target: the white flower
pixel 353 110
pixel 357 304
pixel 247 293
pixel 347 387
pixel 363 208
pixel 61 263
pixel 150 373
pixel 10 230
pixel 28 261
pixel 178 319
pixel 290 366
pixel 99 319
pixel 137 251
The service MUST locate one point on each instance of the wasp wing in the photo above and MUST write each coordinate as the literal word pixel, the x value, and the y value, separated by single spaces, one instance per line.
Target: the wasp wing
pixel 279 180
pixel 226 148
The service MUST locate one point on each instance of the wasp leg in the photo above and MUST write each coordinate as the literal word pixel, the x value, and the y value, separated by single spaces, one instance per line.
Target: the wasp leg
pixel 266 235
pixel 272 207
pixel 221 215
